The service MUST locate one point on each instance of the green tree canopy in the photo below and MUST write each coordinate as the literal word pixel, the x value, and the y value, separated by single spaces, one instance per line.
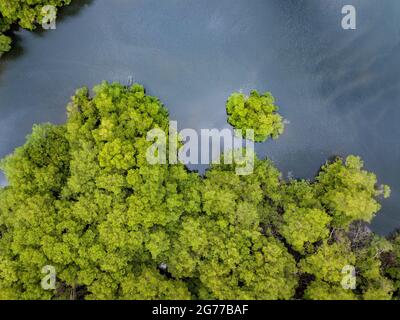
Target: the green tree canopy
pixel 348 191
pixel 257 112
pixel 82 197
pixel 391 263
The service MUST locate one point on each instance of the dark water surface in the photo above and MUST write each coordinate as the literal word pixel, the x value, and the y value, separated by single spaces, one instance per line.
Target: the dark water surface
pixel 339 89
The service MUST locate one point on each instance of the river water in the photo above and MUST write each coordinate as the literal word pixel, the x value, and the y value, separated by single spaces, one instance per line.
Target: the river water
pixel 340 89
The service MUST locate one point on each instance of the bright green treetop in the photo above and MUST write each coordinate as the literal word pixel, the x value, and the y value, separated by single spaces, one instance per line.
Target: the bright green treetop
pixel 257 112
pixel 348 191
pixel 304 226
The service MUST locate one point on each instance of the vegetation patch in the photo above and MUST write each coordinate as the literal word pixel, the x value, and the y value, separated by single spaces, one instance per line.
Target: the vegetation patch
pixel 83 199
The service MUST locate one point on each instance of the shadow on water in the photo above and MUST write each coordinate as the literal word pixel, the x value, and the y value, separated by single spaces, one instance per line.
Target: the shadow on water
pixel 73 9
pixel 16 51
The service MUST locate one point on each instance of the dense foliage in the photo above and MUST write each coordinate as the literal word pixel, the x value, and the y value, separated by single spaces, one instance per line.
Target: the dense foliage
pixel 392 263
pixel 24 13
pixel 82 198
pixel 257 112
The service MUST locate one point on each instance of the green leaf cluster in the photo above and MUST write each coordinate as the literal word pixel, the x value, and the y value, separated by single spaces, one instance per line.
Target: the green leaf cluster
pixel 348 191
pixel 257 112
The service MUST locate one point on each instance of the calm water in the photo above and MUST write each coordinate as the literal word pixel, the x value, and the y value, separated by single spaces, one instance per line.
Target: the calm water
pixel 339 89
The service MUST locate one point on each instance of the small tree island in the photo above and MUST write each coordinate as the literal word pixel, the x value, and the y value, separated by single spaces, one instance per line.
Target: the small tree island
pixel 257 112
